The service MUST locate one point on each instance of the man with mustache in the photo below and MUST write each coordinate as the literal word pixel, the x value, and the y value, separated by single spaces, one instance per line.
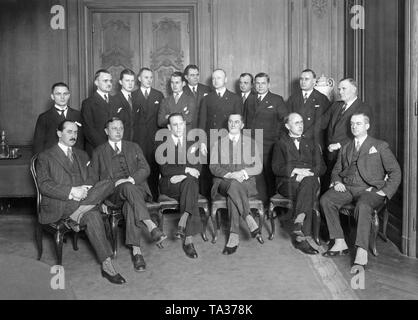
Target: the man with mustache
pixel 68 193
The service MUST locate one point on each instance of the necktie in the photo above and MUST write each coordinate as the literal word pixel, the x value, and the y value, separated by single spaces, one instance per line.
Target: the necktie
pixel 219 95
pixel 357 145
pixel 194 91
pixel 70 155
pixel 243 97
pixel 106 98
pixel 146 94
pixel 117 150
pixel 259 98
pixel 130 100
pixel 305 97
pixel 176 97
pixel 344 108
pixel 61 113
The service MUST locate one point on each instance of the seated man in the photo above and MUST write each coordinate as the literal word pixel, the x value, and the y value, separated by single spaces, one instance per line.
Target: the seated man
pixel 359 176
pixel 62 175
pixel 298 164
pixel 234 166
pixel 180 180
pixel 124 164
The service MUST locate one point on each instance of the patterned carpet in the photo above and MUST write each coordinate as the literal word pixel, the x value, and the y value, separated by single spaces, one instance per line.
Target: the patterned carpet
pixel 272 271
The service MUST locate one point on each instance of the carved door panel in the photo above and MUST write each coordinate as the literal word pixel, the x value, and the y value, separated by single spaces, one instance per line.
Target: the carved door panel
pixel 160 41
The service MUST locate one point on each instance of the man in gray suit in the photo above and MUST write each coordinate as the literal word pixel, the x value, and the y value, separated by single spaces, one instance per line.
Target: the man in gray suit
pixel 67 193
pixel 366 172
pixel 234 167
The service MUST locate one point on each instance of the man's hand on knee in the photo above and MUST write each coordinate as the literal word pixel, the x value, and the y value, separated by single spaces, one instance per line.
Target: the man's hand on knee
pixel 340 187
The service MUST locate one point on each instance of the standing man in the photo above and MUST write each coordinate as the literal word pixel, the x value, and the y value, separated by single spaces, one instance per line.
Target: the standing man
pixel 46 126
pixel 123 106
pixel 215 110
pixel 234 162
pixel 180 180
pixel 178 102
pixel 123 163
pixel 246 81
pixel 366 172
pixel 149 101
pixel 298 164
pixel 265 110
pixel 339 132
pixel 312 105
pixel 193 87
pixel 67 193
pixel 96 109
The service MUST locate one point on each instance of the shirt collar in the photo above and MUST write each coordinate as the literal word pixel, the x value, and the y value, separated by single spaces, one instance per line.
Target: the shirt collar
pixel 245 94
pixel 63 147
pixel 191 87
pixel 179 93
pixel 360 140
pixel 126 93
pixel 61 108
pixel 102 94
pixel 235 137
pixel 262 95
pixel 309 92
pixel 221 91
pixel 176 139
pixel 350 102
pixel 145 89
pixel 119 144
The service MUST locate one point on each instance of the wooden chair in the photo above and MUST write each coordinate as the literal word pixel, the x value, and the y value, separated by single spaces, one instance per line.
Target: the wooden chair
pixel 279 201
pixel 167 203
pixel 348 210
pixel 116 218
pixel 219 202
pixel 57 229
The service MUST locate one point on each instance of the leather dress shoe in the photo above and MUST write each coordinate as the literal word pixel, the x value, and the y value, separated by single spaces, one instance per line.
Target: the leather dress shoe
pixel 305 247
pixel 257 234
pixel 71 224
pixel 139 263
pixel 331 254
pixel 229 250
pixel 190 250
pixel 180 234
pixel 297 229
pixel 116 279
pixel 158 236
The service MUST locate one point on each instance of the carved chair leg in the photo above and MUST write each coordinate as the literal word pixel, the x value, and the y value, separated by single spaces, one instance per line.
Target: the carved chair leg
pixel 373 233
pixel 273 226
pixel 59 239
pixel 215 225
pixel 38 237
pixel 316 226
pixel 114 232
pixel 383 235
pixel 205 224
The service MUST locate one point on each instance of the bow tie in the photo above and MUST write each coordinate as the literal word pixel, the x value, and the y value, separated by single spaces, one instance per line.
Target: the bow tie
pixel 60 110
pixel 296 138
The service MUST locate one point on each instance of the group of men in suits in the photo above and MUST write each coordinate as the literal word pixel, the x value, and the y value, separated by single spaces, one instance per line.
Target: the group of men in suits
pixel 303 142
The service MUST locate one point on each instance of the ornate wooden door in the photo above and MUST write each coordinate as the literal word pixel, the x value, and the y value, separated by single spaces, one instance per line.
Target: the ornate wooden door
pixel 158 40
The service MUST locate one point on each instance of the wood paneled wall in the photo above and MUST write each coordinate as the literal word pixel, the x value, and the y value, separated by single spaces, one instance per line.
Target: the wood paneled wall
pixel 280 37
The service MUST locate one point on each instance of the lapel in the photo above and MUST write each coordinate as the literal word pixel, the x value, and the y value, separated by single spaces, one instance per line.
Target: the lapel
pixel 365 147
pixel 292 147
pixel 61 158
pixel 107 155
pixel 99 100
pixel 125 103
pixel 264 104
pixel 83 169
pixel 312 101
pixel 336 115
pixel 349 152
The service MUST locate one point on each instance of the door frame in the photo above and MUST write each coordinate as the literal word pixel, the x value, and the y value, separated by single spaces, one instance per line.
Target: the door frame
pixel 85 11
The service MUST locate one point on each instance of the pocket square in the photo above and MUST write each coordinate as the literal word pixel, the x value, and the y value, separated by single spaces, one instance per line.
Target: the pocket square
pixel 88 163
pixel 156 102
pixel 317 106
pixel 270 107
pixel 372 150
pixel 205 94
pixel 119 110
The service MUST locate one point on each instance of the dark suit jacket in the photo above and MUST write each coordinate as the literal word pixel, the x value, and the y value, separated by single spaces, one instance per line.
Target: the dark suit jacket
pixel 46 129
pixel 172 164
pixel 221 162
pixel 202 91
pixel 287 157
pixel 122 110
pixel 313 113
pixel 54 180
pixel 374 163
pixel 95 112
pixel 186 106
pixel 339 130
pixel 267 116
pixel 215 111
pixel 138 168
pixel 146 120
